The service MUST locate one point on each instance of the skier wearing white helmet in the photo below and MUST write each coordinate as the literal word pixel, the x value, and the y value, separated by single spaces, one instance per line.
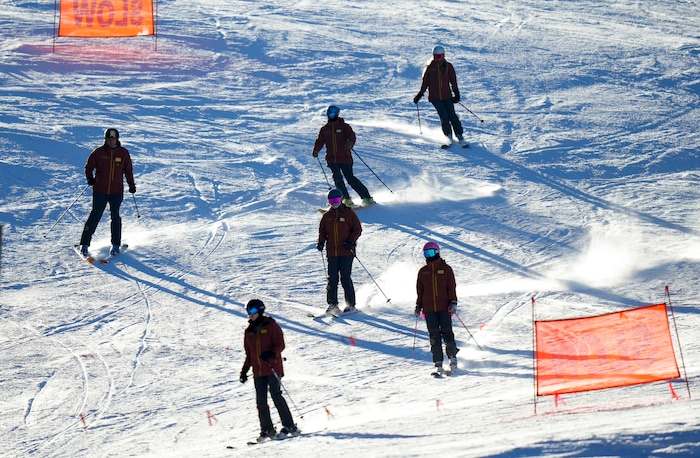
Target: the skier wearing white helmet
pixel 440 79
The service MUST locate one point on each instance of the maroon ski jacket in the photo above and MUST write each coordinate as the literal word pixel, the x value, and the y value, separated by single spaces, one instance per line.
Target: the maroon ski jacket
pixel 110 166
pixel 263 334
pixel 337 226
pixel 437 78
pixel 436 286
pixel 339 139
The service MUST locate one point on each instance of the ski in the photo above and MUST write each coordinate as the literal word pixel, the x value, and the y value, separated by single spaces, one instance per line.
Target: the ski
pixel 277 438
pixel 88 258
pixel 332 315
pixel 255 442
pixel 446 373
pixel 463 145
pixel 112 256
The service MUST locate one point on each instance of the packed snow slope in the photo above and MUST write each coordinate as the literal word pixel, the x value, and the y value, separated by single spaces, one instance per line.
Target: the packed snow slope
pixel 580 190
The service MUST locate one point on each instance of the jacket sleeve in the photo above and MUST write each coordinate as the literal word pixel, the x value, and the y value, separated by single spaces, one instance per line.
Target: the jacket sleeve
pixel 129 170
pixel 277 340
pixel 453 79
pixel 320 141
pixel 350 134
pixel 90 165
pixel 424 81
pixel 247 362
pixel 419 290
pixel 355 228
pixel 451 285
pixel 322 233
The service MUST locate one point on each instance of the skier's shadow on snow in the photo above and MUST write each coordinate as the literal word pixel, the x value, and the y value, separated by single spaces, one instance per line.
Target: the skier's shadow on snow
pixel 166 284
pixel 484 157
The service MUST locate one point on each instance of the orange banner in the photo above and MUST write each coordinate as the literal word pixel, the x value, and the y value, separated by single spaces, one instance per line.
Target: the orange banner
pixel 105 18
pixel 617 349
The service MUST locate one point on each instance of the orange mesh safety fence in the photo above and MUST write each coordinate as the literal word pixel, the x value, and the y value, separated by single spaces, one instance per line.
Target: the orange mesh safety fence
pixel 617 349
pixel 105 18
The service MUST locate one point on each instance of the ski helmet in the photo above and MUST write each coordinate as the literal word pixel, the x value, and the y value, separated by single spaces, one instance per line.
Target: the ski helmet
pixel 431 249
pixel 333 112
pixel 111 133
pixel 334 193
pixel 438 52
pixel 255 306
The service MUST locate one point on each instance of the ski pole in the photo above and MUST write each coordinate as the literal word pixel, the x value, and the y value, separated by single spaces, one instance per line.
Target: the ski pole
pixel 324 173
pixel 370 169
pixel 470 334
pixel 420 128
pixel 138 215
pixel 415 331
pixel 279 380
pixel 66 210
pixel 370 276
pixel 323 258
pixel 470 111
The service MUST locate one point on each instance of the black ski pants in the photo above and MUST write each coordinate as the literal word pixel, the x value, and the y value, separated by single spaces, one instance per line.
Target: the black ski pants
pixel 340 170
pixel 99 203
pixel 340 266
pixel 272 384
pixel 440 329
pixel 448 117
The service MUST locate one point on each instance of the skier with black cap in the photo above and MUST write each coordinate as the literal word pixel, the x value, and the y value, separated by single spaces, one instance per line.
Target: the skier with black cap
pixel 264 342
pixel 105 171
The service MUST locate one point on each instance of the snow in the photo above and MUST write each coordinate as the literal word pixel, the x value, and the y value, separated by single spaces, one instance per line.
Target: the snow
pixel 579 190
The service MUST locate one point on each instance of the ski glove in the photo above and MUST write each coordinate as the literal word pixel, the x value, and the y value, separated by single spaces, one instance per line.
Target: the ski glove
pixel 319 246
pixel 267 355
pixel 314 153
pixel 349 144
pixel 91 181
pixel 452 308
pixel 132 189
pixel 456 98
pixel 244 376
pixel 348 245
pixel 417 97
pixel 418 311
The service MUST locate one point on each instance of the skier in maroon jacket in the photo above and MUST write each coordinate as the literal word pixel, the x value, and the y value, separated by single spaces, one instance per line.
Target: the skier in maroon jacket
pixel 338 231
pixel 264 342
pixel 437 299
pixel 110 164
pixel 438 77
pixel 339 138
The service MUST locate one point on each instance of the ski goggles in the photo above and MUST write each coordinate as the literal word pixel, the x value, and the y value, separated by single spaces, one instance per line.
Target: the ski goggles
pixel 335 200
pixel 430 253
pixel 253 311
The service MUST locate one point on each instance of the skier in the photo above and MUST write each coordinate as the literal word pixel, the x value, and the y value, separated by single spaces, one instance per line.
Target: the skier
pixel 438 77
pixel 110 163
pixel 263 343
pixel 339 138
pixel 339 230
pixel 437 299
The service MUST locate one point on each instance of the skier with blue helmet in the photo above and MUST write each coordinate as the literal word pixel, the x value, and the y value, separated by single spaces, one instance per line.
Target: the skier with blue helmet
pixel 339 138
